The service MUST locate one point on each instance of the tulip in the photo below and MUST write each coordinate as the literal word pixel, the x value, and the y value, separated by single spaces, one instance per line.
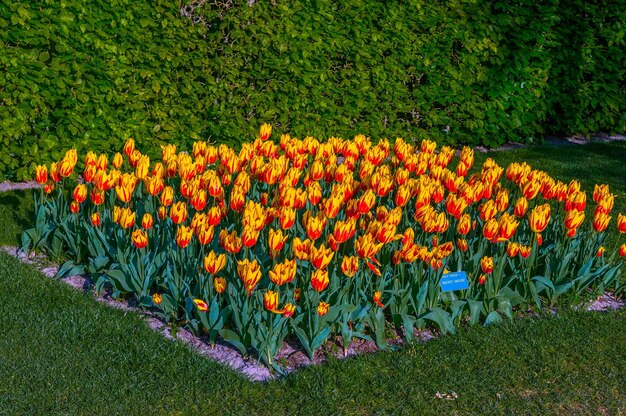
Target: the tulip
pixel 283 272
pixel 129 147
pixel 488 210
pixel 315 226
pixel 319 280
pixel 54 172
pixel 265 132
pixel 482 279
pixel 366 201
pixel 512 249
pixel 350 265
pixel 276 240
pixel 521 206
pixel 486 264
pixel 68 163
pixel 377 297
pixel 462 245
pixel 41 174
pixel 506 227
pixel 531 189
pixel 321 257
pixel 539 218
pixel 74 207
pixel 250 273
pixel 118 160
pixel 455 205
pixel 600 251
pixel 490 229
pixel 322 308
pixel 205 233
pixel 178 212
pixel 213 263
pixel 622 250
pixel 147 221
pixel 167 196
pixel 139 238
pixel 126 218
pixel 157 298
pixel 162 213
pixel 230 242
pixel 154 185
pixel 524 251
pixel 366 247
pixel 288 310
pixel 270 301
pixel 183 236
pixel 464 225
pixel 600 222
pixel 201 305
pixel 219 283
pixel 95 219
pixel 621 223
pixel 302 249
pixel 573 219
pixel 214 216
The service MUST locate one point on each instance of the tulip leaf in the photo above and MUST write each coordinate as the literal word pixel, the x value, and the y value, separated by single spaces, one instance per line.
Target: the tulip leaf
pixel 493 318
pixel 233 339
pixel 475 307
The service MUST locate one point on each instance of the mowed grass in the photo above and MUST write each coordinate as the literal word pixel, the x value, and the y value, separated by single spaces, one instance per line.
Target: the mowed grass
pixel 61 352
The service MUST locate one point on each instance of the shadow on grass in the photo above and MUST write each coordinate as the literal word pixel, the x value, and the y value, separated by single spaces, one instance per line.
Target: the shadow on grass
pixel 16 213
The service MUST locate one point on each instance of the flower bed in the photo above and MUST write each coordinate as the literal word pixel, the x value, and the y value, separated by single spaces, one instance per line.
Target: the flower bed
pixel 313 239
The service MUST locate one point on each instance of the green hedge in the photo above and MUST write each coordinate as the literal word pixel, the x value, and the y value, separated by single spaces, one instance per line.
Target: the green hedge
pixel 91 74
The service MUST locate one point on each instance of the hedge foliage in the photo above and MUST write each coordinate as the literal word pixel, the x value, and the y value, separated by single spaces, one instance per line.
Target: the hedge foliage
pixel 91 74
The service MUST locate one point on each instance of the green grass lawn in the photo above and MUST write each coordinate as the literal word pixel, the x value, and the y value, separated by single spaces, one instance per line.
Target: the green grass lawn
pixel 61 352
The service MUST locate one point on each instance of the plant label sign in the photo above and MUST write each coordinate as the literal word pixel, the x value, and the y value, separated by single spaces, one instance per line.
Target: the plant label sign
pixel 454 281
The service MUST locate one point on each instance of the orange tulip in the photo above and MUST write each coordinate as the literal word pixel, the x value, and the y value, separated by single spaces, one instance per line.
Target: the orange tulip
pixel 350 265
pixel 68 163
pixel 213 263
pixel 276 239
pixel 147 221
pixel 270 301
pixel 366 201
pixel 486 264
pixel 464 225
pixel 167 196
pixel 178 212
pixel 521 206
pixel 139 238
pixel 265 132
pixel 377 297
pixel 490 229
pixel 283 272
pixel 41 174
pixel 126 218
pixel 512 249
pixel 322 308
pixel 574 219
pixel 315 226
pixel 219 283
pixel 621 223
pixel 183 236
pixel 321 257
pixel 539 218
pixel 288 310
pixel 250 273
pixel 201 305
pixel 600 222
pixel 319 280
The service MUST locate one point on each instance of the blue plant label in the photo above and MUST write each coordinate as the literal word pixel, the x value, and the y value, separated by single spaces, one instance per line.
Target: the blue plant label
pixel 454 281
